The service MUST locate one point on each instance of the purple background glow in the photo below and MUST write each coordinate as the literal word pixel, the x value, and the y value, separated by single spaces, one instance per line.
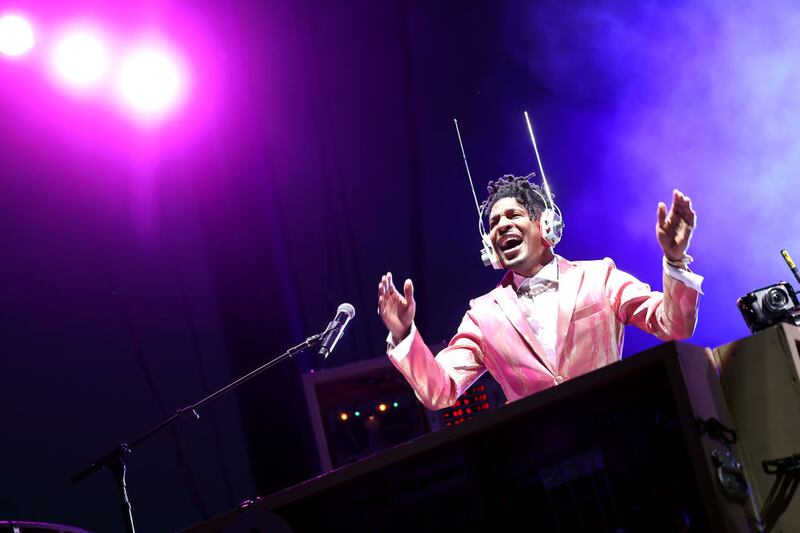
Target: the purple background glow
pixel 144 268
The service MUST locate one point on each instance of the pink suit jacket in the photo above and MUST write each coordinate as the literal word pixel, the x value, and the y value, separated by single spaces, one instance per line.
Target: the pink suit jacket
pixel 595 303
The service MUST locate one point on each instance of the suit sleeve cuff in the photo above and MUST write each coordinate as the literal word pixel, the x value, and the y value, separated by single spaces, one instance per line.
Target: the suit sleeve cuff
pixel 687 277
pixel 400 350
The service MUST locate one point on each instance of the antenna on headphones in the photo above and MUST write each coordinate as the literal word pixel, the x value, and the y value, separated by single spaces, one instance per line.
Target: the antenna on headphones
pixel 488 256
pixel 539 160
pixel 550 221
pixel 469 174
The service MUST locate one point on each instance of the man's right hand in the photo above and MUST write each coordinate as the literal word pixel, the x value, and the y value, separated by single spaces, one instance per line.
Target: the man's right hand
pixel 396 310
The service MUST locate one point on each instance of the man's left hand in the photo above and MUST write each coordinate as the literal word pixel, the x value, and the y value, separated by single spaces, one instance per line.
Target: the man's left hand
pixel 674 229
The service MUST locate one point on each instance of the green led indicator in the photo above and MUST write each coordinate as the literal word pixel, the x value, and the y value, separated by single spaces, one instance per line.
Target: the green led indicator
pixel 357 413
pixel 395 404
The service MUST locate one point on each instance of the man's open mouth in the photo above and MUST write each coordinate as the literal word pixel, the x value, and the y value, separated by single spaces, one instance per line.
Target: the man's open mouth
pixel 510 243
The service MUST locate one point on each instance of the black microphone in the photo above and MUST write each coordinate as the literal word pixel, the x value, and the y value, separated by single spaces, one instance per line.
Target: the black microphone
pixel 334 330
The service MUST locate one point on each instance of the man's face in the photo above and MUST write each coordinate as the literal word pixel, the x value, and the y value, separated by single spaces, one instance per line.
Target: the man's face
pixel 516 238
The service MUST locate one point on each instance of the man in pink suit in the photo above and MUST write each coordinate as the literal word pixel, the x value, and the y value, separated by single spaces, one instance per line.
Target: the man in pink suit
pixel 549 319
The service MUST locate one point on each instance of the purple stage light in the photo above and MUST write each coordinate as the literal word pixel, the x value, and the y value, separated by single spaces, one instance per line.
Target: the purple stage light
pixel 16 35
pixel 80 58
pixel 152 82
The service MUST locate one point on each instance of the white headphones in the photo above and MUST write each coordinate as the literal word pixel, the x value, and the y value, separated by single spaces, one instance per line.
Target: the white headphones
pixel 551 223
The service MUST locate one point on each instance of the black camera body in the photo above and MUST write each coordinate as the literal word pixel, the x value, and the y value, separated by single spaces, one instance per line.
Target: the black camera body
pixel 766 307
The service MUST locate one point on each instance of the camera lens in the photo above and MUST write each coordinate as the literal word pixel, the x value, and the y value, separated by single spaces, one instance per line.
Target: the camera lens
pixel 776 300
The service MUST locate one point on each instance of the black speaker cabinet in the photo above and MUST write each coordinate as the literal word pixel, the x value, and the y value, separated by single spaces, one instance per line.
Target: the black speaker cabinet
pixel 759 376
pixel 636 446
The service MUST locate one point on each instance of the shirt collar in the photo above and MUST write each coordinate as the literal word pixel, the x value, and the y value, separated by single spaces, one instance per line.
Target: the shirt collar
pixel 548 273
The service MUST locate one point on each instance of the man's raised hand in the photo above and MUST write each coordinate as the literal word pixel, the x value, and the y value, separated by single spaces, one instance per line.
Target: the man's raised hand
pixel 674 229
pixel 397 310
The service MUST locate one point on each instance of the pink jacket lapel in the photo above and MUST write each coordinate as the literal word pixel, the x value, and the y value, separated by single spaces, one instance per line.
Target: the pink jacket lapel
pixel 570 278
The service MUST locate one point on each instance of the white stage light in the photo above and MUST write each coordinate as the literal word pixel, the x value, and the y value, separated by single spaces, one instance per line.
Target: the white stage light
pixel 80 59
pixel 151 82
pixel 16 35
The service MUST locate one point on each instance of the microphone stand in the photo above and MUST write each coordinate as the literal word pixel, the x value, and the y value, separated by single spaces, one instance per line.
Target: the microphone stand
pixel 113 460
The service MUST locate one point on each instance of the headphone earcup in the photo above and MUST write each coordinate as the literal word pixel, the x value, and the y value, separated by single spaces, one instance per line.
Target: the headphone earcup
pixel 550 227
pixel 489 256
pixel 546 228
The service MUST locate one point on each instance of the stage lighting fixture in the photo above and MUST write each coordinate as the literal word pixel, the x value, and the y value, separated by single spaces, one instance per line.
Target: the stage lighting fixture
pixel 16 35
pixel 80 59
pixel 151 82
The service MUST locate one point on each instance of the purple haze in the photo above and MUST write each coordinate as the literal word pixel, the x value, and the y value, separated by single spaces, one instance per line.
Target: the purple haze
pixel 695 95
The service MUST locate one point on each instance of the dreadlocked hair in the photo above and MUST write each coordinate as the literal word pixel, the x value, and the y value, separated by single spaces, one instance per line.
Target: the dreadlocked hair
pixel 528 194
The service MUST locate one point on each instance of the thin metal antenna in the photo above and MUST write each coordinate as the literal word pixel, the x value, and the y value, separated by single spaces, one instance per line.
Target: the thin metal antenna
pixel 538 159
pixel 469 175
